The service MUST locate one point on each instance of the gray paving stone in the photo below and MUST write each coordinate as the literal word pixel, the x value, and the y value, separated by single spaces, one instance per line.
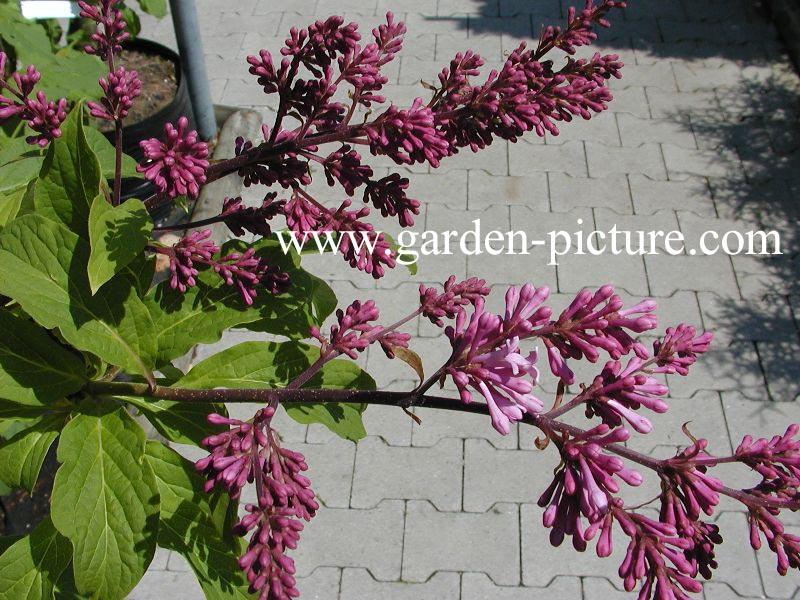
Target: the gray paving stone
pixel 541 562
pixel 493 159
pixel 486 543
pixel 433 474
pixel 693 78
pixel 659 76
pixel 775 585
pixel 631 100
pixel 599 588
pixel 442 188
pixel 322 584
pixel 358 584
pixel 600 128
pixel 568 192
pixel 441 424
pixel 525 158
pixel 492 475
pixel 491 190
pixel 370 539
pixel 167 584
pixel 668 274
pixel 477 586
pixel 650 195
pixel 330 469
pixel 778 359
pixel 635 131
pixel 681 162
pixel 607 160
pixel 767 319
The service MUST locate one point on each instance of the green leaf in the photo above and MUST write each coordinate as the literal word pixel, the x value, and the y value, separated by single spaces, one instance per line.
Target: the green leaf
pixel 105 500
pixel 22 456
pixel 34 368
pixel 66 72
pixel 10 203
pixel 200 315
pixel 19 172
pixel 179 422
pixel 188 526
pixel 117 234
pixel 342 419
pixel 44 269
pixel 70 177
pixel 15 149
pixel 106 155
pixel 7 541
pixel 274 365
pixel 157 8
pixel 30 568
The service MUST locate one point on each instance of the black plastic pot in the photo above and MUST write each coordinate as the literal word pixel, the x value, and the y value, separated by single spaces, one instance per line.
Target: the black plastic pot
pixel 152 126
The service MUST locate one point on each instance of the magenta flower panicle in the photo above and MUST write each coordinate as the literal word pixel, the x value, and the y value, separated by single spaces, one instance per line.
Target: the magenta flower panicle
pixel 120 89
pixel 449 303
pixel 107 39
pixel 177 166
pixel 482 360
pixel 43 116
pixel 353 331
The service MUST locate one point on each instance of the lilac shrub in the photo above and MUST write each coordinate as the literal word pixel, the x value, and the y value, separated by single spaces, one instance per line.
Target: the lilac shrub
pixel 106 335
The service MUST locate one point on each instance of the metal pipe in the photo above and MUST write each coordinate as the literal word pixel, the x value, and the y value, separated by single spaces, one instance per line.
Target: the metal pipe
pixel 193 62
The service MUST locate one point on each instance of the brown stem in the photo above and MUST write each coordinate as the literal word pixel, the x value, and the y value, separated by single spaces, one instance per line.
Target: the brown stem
pixel 288 396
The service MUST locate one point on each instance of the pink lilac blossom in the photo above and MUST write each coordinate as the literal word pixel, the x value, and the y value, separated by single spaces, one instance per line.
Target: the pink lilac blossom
pixel 678 349
pixel 584 484
pixel 250 452
pixel 498 371
pixel 595 321
pixel 785 545
pixel 580 27
pixel 287 169
pixel 177 166
pixel 111 27
pixel 436 305
pixel 388 195
pixel 703 536
pixel 353 331
pixel 120 89
pixel 245 271
pixel 43 116
pixel 618 392
pixel 407 136
pixel 344 165
pixel 655 555
pixel 359 244
pixel 777 460
pixel 256 220
pixel 697 490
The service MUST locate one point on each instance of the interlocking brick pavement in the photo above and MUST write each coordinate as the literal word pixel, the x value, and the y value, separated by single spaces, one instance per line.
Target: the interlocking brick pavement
pixel 702 135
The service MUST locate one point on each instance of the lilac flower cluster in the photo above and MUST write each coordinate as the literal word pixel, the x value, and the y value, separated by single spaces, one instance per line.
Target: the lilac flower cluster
pixel 246 271
pixel 107 39
pixel 177 166
pixel 584 485
pixel 249 452
pixel 43 116
pixel 240 218
pixel 120 89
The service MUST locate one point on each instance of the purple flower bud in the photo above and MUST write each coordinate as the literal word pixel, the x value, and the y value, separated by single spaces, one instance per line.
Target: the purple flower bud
pixel 353 331
pixel 177 165
pixel 256 220
pixel 120 88
pixel 110 27
pixel 450 302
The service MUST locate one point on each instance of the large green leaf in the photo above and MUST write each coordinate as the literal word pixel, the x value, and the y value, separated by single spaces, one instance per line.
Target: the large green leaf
pixel 34 368
pixel 10 203
pixel 105 500
pixel 104 150
pixel 179 422
pixel 117 234
pixel 18 173
pixel 275 365
pixel 70 177
pixel 44 269
pixel 188 526
pixel 22 456
pixel 30 568
pixel 200 315
pixel 67 72
pixel 17 148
